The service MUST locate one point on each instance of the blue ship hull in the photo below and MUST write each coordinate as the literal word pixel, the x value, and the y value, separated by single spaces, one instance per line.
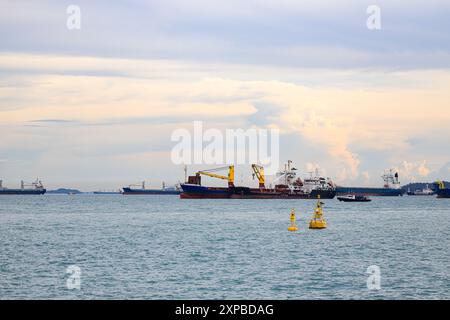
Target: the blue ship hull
pixel 443 193
pixel 375 192
pixel 21 191
pixel 194 191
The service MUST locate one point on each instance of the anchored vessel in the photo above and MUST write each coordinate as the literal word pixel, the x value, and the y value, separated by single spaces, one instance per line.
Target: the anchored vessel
pixel 33 188
pixel 288 186
pixel 442 191
pixel 143 191
pixel 391 187
pixel 424 192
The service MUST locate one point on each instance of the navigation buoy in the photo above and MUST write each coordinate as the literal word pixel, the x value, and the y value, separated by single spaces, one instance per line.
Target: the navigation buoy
pixel 293 225
pixel 317 221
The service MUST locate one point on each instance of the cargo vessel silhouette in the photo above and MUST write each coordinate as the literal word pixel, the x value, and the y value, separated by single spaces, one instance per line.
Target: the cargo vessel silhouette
pixel 143 191
pixel 25 189
pixel 391 188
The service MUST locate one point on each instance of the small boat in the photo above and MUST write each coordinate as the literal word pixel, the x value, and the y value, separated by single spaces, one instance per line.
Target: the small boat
pixel 354 198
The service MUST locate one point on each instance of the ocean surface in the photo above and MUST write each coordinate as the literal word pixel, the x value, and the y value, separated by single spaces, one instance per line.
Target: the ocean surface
pixel 162 247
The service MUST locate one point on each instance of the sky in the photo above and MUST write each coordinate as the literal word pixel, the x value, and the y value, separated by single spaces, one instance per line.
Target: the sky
pixel 95 107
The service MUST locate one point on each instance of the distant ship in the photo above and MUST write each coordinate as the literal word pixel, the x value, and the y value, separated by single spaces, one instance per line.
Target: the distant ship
pixel 442 191
pixel 288 186
pixel 33 188
pixel 107 192
pixel 424 192
pixel 143 191
pixel 391 188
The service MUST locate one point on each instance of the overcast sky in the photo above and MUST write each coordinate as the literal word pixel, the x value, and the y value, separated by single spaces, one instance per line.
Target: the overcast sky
pixel 95 108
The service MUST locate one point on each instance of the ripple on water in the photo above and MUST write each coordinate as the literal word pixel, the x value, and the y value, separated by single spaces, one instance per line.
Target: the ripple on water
pixel 167 248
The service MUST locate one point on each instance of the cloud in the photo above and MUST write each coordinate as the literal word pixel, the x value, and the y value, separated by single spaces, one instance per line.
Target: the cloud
pixel 339 120
pixel 365 175
pixel 313 167
pixel 413 171
pixel 319 34
pixel 324 133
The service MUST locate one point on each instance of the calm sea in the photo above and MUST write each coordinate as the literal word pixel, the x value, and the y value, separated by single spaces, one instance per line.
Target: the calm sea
pixel 161 247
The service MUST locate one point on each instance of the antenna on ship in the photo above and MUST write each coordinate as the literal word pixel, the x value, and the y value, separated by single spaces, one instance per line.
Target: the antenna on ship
pixel 185 174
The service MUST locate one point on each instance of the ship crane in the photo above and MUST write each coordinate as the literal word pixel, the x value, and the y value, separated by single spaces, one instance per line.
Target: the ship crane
pixel 440 184
pixel 142 185
pixel 36 184
pixel 258 171
pixel 210 173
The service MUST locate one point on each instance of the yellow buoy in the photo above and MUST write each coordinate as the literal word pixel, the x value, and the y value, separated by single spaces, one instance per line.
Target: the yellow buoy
pixel 317 221
pixel 293 225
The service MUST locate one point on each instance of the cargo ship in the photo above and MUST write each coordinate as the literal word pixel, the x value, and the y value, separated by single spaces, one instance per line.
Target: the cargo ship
pixel 143 191
pixel 31 189
pixel 391 188
pixel 442 192
pixel 288 186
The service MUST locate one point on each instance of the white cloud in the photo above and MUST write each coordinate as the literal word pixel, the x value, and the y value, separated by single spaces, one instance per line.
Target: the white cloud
pixel 344 121
pixel 413 171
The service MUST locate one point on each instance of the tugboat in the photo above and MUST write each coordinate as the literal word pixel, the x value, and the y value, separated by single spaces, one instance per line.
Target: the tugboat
pixel 36 188
pixel 354 198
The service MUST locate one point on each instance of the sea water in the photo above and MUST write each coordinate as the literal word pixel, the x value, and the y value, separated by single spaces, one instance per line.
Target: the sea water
pixel 163 247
